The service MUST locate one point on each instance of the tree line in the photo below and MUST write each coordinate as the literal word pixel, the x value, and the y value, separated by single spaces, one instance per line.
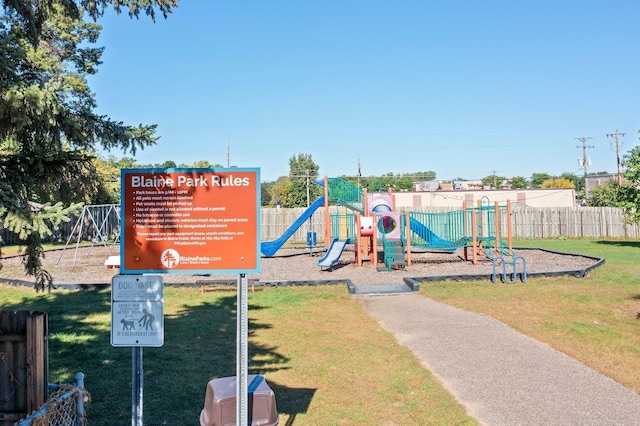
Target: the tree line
pixel 291 190
pixel 287 191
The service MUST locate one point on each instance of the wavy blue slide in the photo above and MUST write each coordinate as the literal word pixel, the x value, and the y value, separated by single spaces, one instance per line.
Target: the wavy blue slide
pixel 432 239
pixel 333 254
pixel 269 248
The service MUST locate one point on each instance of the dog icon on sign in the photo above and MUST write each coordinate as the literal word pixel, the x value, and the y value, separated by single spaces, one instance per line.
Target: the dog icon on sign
pixel 127 324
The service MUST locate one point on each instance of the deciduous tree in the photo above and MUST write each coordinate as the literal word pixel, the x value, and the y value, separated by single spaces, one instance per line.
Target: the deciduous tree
pixel 538 178
pixel 519 182
pixel 108 176
pixel 395 182
pixel 629 192
pixel 302 173
pixel 494 181
pixel 578 181
pixel 557 183
pixel 607 195
pixel 266 194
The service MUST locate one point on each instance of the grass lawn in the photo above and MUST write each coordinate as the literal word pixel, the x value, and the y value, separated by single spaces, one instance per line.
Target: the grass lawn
pixel 328 362
pixel 592 319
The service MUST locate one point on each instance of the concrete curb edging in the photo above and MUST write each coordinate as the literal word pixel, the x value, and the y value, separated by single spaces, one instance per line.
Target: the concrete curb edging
pixel 411 284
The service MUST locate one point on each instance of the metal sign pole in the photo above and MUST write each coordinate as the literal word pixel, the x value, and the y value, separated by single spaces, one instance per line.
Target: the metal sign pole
pixel 242 338
pixel 136 386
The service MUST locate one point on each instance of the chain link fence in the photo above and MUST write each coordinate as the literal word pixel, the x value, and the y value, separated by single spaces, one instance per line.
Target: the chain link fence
pixel 65 407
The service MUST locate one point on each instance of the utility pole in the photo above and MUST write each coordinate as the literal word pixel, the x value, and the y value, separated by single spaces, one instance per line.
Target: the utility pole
pixel 585 160
pixel 616 134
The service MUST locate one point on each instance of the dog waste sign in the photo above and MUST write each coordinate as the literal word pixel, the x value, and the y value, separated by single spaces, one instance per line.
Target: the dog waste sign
pixel 137 310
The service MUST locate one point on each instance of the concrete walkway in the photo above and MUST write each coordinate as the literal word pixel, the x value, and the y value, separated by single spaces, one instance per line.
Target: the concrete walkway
pixel 501 376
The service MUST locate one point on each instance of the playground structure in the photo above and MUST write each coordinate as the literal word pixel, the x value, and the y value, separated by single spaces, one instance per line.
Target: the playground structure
pixel 370 219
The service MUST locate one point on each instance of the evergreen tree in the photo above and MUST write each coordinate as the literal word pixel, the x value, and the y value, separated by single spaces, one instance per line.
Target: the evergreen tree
pixel 33 15
pixel 48 127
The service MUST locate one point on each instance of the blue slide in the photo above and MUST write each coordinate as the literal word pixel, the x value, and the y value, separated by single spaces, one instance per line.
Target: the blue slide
pixel 269 248
pixel 333 254
pixel 432 239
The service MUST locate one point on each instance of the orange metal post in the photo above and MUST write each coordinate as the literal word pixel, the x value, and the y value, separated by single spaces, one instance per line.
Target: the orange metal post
pixel 365 202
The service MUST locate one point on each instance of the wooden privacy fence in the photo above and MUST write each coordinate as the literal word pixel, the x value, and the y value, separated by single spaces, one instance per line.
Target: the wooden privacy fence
pixel 579 222
pixel 23 364
pixel 275 221
pixel 527 222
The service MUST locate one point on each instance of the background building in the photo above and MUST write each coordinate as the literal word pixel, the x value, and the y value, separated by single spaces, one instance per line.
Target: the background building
pixel 555 197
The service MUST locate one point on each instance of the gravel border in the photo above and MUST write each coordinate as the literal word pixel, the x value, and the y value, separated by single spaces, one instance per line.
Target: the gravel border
pixel 298 266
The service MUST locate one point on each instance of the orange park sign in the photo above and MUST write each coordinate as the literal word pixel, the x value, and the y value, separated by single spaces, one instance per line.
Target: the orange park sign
pixel 190 221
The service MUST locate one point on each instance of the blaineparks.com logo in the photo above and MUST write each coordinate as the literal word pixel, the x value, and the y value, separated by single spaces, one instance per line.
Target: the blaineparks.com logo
pixel 170 258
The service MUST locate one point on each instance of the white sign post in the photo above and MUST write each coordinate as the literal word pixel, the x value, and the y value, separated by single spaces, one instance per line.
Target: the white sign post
pixel 137 320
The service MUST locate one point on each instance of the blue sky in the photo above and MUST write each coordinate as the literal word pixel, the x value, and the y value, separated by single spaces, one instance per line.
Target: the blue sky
pixel 462 88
